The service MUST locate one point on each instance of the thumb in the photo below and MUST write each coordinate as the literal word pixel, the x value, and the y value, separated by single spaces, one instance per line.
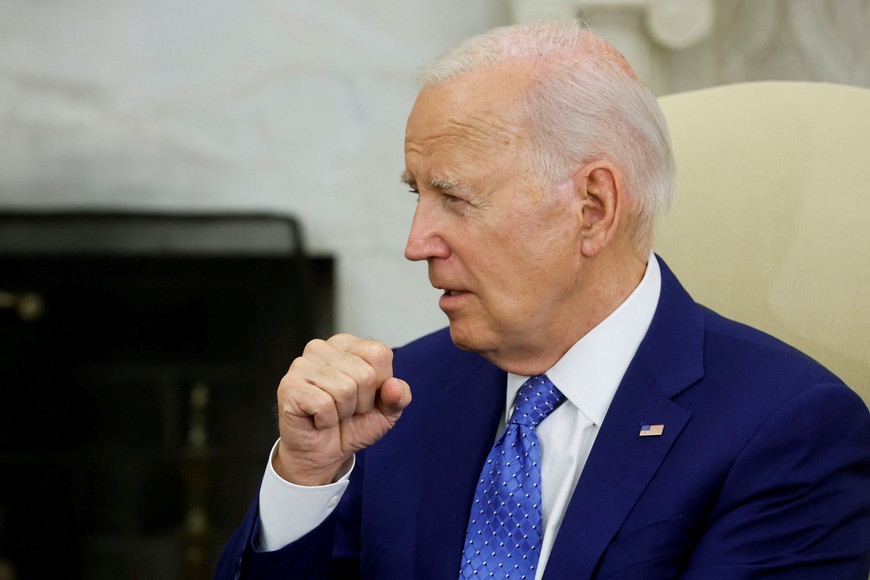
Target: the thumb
pixel 394 396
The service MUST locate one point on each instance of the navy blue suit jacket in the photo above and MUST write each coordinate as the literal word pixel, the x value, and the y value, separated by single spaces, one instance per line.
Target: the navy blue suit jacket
pixel 763 469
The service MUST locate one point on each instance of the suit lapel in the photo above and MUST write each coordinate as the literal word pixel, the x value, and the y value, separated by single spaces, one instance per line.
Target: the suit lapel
pixel 619 468
pixel 470 416
pixel 622 463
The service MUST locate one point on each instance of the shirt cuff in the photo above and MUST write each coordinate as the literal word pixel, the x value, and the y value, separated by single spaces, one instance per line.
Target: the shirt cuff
pixel 289 511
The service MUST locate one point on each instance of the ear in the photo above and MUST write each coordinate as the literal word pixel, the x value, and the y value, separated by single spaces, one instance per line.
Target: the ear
pixel 598 186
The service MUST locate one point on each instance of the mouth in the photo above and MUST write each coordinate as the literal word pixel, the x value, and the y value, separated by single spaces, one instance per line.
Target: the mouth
pixel 452 300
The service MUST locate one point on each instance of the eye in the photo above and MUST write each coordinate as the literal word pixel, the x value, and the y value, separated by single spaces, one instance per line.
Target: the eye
pixel 452 200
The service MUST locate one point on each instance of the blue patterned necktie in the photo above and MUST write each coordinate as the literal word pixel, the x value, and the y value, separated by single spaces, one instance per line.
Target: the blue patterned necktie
pixel 503 538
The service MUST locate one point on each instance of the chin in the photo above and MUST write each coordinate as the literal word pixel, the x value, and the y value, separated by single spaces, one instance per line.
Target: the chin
pixel 468 339
pixel 458 338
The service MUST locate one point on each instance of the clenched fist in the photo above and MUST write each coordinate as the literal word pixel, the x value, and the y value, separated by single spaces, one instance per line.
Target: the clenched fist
pixel 339 397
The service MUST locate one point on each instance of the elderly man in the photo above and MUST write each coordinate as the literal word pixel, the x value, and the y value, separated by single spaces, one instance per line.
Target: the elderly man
pixel 583 417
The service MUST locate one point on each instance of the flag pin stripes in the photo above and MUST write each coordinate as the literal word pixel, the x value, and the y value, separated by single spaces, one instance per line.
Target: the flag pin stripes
pixel 651 430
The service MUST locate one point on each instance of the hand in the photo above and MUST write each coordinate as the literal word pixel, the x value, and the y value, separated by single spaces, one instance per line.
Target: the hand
pixel 339 397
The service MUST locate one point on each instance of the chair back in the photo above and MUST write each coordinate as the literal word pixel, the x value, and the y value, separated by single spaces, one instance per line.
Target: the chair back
pixel 771 223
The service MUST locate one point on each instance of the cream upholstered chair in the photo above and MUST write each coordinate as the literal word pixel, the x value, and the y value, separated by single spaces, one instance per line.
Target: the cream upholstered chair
pixel 771 223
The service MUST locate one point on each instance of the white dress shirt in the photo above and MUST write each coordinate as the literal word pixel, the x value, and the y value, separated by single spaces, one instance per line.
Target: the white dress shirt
pixel 588 374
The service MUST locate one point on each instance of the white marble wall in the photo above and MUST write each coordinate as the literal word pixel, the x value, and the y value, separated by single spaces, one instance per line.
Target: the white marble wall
pixel 299 105
pixel 267 105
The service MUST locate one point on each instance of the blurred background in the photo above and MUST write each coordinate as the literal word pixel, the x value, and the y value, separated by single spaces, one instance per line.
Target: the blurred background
pixel 190 190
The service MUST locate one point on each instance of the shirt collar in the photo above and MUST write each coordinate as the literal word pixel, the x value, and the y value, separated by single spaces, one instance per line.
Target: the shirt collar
pixel 590 372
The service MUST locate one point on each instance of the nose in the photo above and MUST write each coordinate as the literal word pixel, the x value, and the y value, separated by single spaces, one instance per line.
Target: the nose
pixel 424 241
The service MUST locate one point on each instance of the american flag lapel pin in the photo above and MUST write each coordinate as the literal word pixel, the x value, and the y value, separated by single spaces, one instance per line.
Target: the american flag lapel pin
pixel 651 430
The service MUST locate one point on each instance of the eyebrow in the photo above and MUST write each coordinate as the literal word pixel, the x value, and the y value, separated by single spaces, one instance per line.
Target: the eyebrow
pixel 436 183
pixel 444 184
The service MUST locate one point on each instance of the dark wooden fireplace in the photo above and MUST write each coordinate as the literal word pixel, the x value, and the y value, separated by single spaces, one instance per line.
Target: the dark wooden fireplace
pixel 139 356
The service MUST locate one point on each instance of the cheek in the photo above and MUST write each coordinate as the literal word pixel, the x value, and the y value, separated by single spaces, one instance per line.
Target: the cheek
pixel 546 272
pixel 519 261
pixel 558 247
pixel 545 250
pixel 512 284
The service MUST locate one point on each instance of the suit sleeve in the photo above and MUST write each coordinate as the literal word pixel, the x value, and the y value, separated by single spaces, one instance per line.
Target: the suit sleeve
pixel 330 551
pixel 796 503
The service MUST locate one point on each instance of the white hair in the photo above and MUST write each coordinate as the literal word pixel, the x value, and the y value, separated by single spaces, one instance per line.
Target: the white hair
pixel 584 103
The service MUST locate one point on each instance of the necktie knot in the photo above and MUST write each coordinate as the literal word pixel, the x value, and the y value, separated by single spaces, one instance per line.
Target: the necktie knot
pixel 536 399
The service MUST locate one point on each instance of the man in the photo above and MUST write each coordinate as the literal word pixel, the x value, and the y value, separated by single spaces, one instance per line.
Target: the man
pixel 665 441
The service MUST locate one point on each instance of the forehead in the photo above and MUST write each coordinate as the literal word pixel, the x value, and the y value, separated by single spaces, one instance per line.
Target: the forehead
pixel 476 111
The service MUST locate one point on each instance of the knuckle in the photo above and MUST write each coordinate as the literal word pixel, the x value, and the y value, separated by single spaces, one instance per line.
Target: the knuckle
pixel 287 380
pixel 295 366
pixel 313 403
pixel 380 353
pixel 367 375
pixel 293 374
pixel 345 386
pixel 342 340
pixel 321 403
pixel 314 346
